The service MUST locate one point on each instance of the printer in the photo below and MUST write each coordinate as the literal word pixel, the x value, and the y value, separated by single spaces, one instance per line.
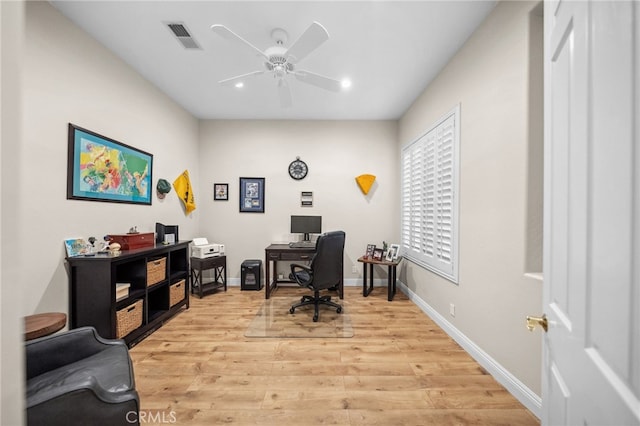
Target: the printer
pixel 202 249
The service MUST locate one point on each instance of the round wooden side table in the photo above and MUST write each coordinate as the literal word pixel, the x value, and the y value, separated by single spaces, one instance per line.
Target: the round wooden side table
pixel 40 325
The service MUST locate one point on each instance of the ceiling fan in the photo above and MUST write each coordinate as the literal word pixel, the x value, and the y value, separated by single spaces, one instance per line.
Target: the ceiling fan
pixel 281 61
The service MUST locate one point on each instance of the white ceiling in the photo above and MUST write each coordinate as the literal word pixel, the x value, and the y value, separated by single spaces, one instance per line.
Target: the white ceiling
pixel 390 50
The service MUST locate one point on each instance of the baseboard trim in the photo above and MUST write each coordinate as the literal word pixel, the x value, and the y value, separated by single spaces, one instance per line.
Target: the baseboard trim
pixel 521 392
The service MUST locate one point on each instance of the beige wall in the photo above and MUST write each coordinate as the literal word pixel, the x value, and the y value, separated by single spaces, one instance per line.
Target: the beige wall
pixel 69 77
pixel 489 77
pixel 335 151
pixel 11 247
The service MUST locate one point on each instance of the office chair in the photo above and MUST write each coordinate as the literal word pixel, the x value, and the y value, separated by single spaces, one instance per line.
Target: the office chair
pixel 324 272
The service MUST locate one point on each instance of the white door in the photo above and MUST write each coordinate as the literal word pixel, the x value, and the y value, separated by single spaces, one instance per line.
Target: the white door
pixel 591 372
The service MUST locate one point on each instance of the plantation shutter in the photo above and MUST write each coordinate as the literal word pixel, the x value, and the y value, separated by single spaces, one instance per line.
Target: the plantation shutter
pixel 429 197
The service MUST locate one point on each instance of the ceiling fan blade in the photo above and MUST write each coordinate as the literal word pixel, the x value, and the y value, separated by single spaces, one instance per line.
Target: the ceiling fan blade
pixel 239 78
pixel 313 37
pixel 318 80
pixel 225 32
pixel 284 93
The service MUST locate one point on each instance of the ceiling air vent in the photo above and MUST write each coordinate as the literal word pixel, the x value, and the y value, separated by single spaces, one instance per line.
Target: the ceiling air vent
pixel 182 34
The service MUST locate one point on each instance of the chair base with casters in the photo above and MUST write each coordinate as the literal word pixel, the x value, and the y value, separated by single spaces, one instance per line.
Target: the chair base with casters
pixel 323 273
pixel 316 300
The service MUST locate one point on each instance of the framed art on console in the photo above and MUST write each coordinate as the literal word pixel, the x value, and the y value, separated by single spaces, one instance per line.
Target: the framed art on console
pixel 103 169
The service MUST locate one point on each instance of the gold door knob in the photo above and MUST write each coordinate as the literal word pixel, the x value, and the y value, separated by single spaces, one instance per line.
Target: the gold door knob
pixel 541 321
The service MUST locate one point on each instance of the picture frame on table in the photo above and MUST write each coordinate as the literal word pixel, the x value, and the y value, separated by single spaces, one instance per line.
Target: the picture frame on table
pixel 377 254
pixel 103 169
pixel 251 195
pixel 221 192
pixel 369 252
pixel 393 252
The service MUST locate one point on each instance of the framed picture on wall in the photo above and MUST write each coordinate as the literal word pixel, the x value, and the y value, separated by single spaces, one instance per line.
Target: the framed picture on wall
pixel 251 195
pixel 221 191
pixel 103 169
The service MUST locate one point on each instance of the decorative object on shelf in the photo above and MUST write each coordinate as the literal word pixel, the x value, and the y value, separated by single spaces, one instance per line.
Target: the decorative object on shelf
pixel 133 230
pixel 370 249
pixel 115 247
pixel 393 252
pixel 133 241
pixel 183 188
pixel 76 247
pixel 251 195
pixel 103 169
pixel 306 199
pixel 298 169
pixel 221 192
pixel 163 187
pixel 365 182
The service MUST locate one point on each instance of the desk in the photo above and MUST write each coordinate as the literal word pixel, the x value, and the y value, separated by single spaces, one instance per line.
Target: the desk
pixel 40 325
pixel 219 266
pixel 277 252
pixel 391 275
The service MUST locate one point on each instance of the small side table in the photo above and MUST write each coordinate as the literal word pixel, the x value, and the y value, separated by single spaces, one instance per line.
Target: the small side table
pixel 391 275
pixel 219 266
pixel 40 325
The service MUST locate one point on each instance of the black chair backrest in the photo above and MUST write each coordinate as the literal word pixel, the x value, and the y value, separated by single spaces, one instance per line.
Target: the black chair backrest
pixel 328 260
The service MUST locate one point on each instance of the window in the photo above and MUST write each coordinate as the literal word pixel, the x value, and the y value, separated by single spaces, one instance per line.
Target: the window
pixel 429 188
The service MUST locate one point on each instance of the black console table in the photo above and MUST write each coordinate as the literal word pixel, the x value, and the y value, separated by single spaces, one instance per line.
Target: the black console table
pixel 219 266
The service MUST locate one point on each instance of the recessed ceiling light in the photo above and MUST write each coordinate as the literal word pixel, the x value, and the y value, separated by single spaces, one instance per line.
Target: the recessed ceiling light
pixel 346 83
pixel 239 85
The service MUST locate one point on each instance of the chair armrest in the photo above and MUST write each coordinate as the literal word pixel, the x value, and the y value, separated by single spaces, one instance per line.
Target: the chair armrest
pixel 51 352
pixel 304 270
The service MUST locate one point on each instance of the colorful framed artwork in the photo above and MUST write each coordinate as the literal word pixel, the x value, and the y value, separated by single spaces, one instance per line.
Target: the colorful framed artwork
pixel 76 247
pixel 103 169
pixel 251 195
pixel 221 191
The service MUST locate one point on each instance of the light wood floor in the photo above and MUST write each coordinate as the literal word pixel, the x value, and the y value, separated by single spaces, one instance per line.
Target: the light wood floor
pixel 399 368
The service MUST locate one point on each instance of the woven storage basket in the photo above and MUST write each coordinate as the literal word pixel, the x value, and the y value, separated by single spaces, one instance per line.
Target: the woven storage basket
pixel 176 292
pixel 128 319
pixel 156 271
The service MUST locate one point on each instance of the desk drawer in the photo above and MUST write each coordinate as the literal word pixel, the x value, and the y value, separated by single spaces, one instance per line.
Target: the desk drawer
pixel 295 256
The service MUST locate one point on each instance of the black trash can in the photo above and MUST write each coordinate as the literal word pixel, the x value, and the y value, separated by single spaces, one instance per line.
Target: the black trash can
pixel 251 274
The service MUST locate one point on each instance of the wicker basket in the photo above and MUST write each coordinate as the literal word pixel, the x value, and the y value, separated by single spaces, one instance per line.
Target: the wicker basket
pixel 156 271
pixel 128 319
pixel 176 292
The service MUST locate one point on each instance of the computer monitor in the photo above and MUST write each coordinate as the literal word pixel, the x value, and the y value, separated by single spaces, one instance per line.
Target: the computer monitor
pixel 306 225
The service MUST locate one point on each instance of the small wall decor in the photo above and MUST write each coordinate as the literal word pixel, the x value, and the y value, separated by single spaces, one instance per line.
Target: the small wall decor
pixel 365 182
pixel 221 191
pixel 183 188
pixel 251 195
pixel 306 199
pixel 103 169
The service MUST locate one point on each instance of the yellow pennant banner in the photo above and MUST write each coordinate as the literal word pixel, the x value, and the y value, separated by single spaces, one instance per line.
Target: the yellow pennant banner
pixel 182 185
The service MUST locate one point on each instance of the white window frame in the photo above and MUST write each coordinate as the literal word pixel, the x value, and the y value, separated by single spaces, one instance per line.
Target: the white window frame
pixel 430 169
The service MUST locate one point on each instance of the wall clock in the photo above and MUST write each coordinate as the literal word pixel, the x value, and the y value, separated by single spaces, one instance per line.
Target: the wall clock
pixel 298 169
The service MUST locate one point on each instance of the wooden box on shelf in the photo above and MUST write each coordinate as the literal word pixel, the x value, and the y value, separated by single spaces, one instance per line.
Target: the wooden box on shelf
pixel 122 291
pixel 134 241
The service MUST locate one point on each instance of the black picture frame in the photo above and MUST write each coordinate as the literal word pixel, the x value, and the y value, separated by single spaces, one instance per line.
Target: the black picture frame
pixel 251 195
pixel 221 192
pixel 103 169
pixel 377 254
